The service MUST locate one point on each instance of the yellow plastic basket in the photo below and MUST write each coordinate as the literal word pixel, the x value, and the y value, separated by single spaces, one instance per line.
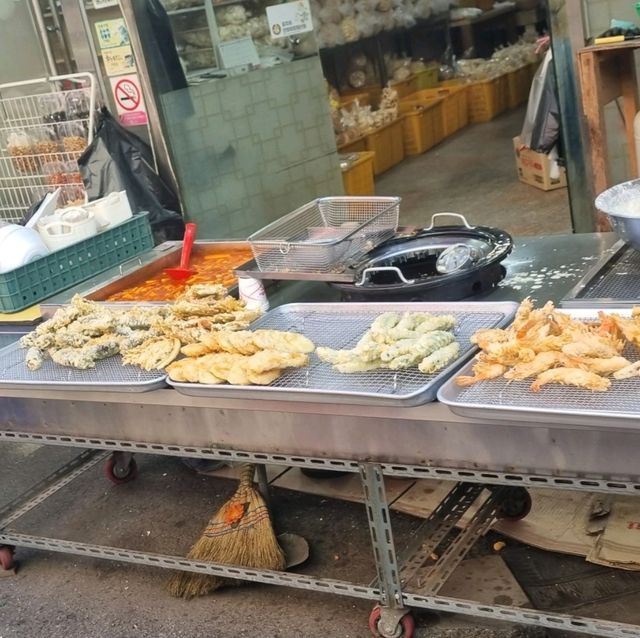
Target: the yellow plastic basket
pixel 358 176
pixel 422 125
pixel 428 78
pixel 387 144
pixel 454 98
pixel 488 98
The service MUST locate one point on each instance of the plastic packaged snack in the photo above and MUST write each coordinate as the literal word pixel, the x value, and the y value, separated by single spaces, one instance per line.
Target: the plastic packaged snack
pixel 20 146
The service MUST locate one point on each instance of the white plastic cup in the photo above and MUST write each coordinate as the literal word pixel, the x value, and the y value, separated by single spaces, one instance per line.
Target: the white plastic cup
pixel 252 292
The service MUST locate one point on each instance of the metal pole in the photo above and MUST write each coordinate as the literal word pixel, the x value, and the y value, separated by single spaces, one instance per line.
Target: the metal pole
pixel 567 37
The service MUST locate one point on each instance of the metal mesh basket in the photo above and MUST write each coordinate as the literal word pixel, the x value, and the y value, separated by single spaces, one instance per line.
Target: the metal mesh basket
pixel 323 235
pixel 45 125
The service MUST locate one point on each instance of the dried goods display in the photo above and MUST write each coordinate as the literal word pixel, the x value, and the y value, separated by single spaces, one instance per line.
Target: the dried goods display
pixel 211 268
pixel 358 120
pixel 503 60
pixel 552 347
pixel 339 22
pixel 150 337
pixel 399 342
pixel 43 131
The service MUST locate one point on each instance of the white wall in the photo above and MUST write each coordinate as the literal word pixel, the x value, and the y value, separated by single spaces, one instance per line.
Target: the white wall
pixel 21 55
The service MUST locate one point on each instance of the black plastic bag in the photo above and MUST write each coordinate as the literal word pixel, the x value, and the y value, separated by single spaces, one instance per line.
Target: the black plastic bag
pixel 118 160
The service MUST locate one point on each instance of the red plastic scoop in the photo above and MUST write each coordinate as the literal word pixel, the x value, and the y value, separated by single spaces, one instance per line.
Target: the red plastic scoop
pixel 182 272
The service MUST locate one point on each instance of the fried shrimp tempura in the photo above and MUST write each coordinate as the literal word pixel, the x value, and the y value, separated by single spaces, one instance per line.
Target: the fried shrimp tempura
pixel 572 376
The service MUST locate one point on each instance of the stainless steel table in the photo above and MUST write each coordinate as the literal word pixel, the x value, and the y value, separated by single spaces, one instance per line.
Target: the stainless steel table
pixel 426 441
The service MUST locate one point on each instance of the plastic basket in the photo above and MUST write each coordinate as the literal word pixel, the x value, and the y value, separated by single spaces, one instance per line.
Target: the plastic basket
pixel 428 78
pixel 404 87
pixel 455 113
pixel 358 175
pixel 422 125
pixel 347 101
pixel 372 90
pixel 387 144
pixel 39 279
pixel 518 86
pixel 488 98
pixel 356 146
pixel 325 233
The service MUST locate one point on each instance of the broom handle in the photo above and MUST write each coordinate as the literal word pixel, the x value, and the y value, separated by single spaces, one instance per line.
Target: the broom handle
pixel 246 474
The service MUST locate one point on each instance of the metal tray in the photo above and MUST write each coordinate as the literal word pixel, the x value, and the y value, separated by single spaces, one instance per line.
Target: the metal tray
pixel 340 326
pixel 109 375
pixel 613 282
pixel 563 405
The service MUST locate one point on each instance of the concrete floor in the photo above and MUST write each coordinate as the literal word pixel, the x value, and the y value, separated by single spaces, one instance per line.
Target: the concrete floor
pixel 474 173
pixel 163 510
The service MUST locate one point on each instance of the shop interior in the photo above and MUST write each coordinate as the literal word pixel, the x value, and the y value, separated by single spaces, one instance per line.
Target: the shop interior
pixel 445 138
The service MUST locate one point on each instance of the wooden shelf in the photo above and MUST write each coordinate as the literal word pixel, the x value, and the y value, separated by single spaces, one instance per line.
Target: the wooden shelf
pixel 608 72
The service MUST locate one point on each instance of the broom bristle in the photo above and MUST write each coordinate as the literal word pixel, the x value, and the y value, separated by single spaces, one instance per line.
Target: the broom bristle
pixel 240 533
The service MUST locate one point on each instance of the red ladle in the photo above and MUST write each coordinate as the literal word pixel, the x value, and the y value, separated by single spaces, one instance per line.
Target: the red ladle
pixel 183 272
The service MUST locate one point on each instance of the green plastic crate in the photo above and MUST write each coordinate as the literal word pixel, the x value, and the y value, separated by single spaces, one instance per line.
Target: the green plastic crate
pixel 44 277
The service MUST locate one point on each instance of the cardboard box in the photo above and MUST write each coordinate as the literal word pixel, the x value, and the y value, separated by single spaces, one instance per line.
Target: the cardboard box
pixel 535 168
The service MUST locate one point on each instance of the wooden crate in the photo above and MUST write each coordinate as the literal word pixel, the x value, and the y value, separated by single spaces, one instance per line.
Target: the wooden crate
pixel 454 104
pixel 388 145
pixel 358 176
pixel 422 126
pixel 488 98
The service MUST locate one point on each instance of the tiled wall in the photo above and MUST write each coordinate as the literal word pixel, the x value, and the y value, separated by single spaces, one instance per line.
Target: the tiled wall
pixel 251 148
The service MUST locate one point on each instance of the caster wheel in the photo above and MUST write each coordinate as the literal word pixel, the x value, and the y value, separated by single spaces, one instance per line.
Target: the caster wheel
pixel 404 629
pixel 119 475
pixel 6 558
pixel 516 506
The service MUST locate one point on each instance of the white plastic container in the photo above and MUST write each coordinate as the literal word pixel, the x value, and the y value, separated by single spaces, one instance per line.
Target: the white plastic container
pixel 67 226
pixel 110 210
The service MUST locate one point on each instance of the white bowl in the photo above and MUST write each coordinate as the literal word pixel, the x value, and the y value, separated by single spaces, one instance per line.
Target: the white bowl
pixel 621 203
pixel 19 246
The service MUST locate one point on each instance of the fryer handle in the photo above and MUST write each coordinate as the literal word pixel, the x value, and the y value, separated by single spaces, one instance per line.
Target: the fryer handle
pixel 398 272
pixel 138 260
pixel 458 215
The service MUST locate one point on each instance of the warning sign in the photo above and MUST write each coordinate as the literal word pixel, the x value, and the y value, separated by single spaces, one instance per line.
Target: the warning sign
pixel 129 101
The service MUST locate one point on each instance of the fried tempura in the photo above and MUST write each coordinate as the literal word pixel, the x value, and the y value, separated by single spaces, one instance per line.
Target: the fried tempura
pixel 572 376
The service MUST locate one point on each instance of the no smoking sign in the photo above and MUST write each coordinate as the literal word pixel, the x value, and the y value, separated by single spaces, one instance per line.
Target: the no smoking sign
pixel 127 95
pixel 129 101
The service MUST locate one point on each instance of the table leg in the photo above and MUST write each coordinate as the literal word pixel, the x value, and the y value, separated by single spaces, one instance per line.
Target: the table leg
pixel 263 483
pixel 391 616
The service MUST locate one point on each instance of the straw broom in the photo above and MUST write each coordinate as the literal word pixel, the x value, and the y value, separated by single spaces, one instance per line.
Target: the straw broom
pixel 239 533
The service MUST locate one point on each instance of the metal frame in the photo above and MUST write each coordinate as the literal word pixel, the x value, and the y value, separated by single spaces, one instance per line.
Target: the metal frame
pixel 389 594
pixel 574 298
